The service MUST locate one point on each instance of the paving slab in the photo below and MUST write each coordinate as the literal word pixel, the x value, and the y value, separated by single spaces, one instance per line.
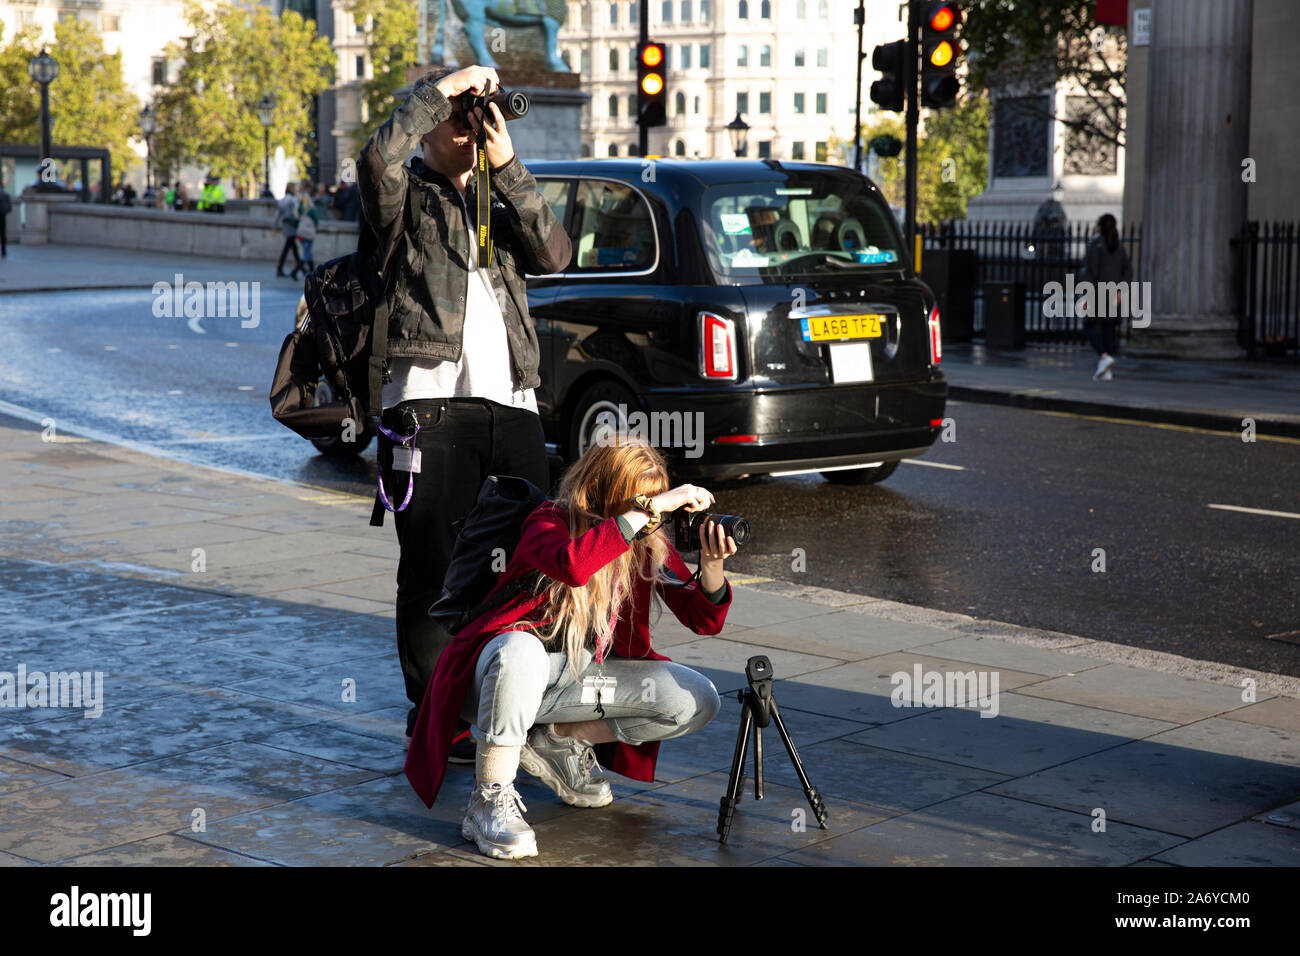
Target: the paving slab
pixel 1017 657
pixel 1136 691
pixel 16 775
pixel 1287 816
pixel 163 851
pixel 723 660
pixel 1028 734
pixel 982 829
pixel 1242 844
pixel 375 683
pixel 337 744
pixel 846 635
pixel 1188 781
pixel 1282 713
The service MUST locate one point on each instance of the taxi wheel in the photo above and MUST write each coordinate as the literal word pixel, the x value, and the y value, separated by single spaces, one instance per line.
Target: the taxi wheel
pixel 605 404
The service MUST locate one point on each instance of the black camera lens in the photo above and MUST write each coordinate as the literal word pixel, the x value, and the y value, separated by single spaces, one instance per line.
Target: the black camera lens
pixel 687 524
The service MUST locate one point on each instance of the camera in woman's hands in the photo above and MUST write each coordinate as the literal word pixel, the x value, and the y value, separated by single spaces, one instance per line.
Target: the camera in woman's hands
pixel 687 524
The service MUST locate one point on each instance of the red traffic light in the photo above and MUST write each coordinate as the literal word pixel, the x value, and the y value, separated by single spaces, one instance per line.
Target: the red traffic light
pixel 942 18
pixel 652 54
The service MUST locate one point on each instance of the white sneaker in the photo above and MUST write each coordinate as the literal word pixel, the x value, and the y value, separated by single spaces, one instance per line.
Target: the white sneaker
pixel 1106 376
pixel 567 767
pixel 494 821
pixel 1103 366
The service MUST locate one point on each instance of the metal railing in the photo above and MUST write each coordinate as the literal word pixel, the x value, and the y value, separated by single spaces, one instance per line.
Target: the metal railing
pixel 1015 252
pixel 1268 275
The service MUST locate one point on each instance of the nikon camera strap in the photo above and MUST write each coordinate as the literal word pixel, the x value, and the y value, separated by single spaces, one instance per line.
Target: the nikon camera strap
pixel 483 203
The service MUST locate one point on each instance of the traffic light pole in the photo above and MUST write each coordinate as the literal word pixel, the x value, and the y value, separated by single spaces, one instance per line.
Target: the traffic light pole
pixel 911 60
pixel 642 133
pixel 859 17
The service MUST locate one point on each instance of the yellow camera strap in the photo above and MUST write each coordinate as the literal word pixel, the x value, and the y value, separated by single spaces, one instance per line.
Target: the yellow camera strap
pixel 483 203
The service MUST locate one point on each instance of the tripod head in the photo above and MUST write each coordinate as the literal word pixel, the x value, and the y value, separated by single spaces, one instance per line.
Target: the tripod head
pixel 758 671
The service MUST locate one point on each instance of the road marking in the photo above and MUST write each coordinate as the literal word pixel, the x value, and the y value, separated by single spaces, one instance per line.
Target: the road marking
pixel 245 388
pixel 1167 427
pixel 933 464
pixel 110 348
pixel 748 580
pixel 1256 511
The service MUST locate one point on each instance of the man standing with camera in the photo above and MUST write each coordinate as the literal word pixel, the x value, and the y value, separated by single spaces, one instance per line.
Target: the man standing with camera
pixel 463 353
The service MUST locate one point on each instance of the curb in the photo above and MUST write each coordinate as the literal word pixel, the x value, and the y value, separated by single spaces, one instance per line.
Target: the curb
pixel 1213 421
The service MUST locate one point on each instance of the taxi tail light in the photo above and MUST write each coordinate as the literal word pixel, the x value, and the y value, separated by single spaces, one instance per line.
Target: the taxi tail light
pixel 717 347
pixel 936 340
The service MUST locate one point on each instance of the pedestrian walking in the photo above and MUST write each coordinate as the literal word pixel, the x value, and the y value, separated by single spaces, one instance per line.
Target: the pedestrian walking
pixel 306 229
pixel 1105 261
pixel 176 197
pixel 463 353
pixel 286 223
pixel 6 206
pixel 564 666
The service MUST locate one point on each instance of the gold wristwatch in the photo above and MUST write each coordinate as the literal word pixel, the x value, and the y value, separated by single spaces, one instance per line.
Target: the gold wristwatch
pixel 645 504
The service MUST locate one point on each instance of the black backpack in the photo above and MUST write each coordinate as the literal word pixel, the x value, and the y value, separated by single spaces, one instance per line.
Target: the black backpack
pixel 485 540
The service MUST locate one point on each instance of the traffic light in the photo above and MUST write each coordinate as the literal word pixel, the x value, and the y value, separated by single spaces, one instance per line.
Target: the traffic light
pixel 939 52
pixel 651 89
pixel 889 59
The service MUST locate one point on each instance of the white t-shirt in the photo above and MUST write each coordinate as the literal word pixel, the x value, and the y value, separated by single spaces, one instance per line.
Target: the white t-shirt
pixel 483 370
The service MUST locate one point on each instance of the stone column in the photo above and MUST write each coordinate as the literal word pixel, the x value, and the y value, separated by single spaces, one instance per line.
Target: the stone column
pixel 1193 197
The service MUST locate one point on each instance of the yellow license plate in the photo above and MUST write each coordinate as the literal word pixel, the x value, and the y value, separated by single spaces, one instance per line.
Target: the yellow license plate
pixel 835 328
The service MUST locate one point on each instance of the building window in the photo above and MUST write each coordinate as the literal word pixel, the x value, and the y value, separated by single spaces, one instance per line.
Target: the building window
pixel 685 57
pixel 666 12
pixel 765 149
pixel 680 148
pixel 765 55
pixel 584 61
pixel 361 66
pixel 613 106
pixel 109 23
pixel 668 58
pixel 765 102
pixel 586 150
pixel 697 106
pixel 613 149
pixel 743 11
pixel 823 9
pixel 742 102
pixel 634 12
pixel 765 10
pixel 586 14
pixel 821 103
pixel 680 103
pixel 613 60
pixel 613 14
pixel 706 10
pixel 706 55
pixel 822 56
pixel 742 56
pixel 820 154
pixel 686 11
pixel 631 106
pixel 798 102
pixel 159 71
pixel 801 10
pixel 798 56
pixel 796 150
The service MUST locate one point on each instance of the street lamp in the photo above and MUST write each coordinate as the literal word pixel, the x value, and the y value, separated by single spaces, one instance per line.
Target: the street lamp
pixel 148 126
pixel 266 113
pixel 738 130
pixel 43 69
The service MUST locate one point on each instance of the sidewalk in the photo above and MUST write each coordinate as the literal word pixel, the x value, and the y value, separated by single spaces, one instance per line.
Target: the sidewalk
pixel 252 709
pixel 1217 395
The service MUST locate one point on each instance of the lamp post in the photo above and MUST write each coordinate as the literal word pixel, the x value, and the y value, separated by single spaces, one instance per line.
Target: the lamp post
pixel 43 69
pixel 266 113
pixel 738 130
pixel 148 125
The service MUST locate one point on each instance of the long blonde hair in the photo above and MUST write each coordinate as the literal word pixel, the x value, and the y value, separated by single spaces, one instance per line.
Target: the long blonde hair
pixel 598 486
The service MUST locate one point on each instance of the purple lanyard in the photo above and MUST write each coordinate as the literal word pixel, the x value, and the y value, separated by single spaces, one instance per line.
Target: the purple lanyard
pixel 403 440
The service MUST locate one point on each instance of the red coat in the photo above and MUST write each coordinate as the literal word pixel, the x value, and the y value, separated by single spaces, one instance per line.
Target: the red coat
pixel 545 545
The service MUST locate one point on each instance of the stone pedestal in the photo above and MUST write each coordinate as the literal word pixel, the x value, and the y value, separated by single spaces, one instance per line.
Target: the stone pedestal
pixel 1194 200
pixel 36 206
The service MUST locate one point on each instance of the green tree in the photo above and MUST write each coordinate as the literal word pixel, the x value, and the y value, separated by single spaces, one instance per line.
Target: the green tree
pixel 951 159
pixel 1031 45
pixel 233 58
pixel 90 104
pixel 391 32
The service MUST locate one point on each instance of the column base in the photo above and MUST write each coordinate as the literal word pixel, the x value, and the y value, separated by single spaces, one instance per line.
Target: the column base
pixel 1195 339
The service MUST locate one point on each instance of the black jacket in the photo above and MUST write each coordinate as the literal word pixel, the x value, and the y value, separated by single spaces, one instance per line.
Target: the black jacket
pixel 426 310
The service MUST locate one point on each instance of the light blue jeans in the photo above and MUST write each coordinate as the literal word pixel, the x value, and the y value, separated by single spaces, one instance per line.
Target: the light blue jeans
pixel 518 684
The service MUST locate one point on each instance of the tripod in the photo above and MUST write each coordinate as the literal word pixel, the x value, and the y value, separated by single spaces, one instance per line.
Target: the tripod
pixel 757 709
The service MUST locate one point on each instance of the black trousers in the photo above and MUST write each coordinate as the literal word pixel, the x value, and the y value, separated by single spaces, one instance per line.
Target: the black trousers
pixel 1103 334
pixel 290 245
pixel 4 239
pixel 461 442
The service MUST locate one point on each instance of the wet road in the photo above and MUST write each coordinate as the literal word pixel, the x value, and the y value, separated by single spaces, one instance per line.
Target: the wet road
pixel 1016 528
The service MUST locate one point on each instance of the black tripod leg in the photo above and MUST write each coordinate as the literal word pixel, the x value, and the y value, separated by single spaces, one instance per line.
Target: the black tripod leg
pixel 734 782
pixel 758 761
pixel 809 791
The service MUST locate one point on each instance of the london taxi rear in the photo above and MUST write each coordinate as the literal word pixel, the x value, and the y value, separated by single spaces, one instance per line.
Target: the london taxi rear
pixel 776 299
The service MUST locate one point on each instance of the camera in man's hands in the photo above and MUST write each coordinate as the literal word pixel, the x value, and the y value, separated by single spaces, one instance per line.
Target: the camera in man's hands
pixel 513 105
pixel 687 524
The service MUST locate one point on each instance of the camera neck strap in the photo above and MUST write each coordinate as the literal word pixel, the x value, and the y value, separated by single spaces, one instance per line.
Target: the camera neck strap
pixel 482 204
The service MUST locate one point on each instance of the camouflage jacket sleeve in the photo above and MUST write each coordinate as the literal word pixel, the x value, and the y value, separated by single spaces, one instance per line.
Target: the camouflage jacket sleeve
pixel 545 244
pixel 381 178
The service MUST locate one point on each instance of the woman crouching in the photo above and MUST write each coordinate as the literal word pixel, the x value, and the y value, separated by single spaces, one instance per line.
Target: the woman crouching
pixel 569 665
